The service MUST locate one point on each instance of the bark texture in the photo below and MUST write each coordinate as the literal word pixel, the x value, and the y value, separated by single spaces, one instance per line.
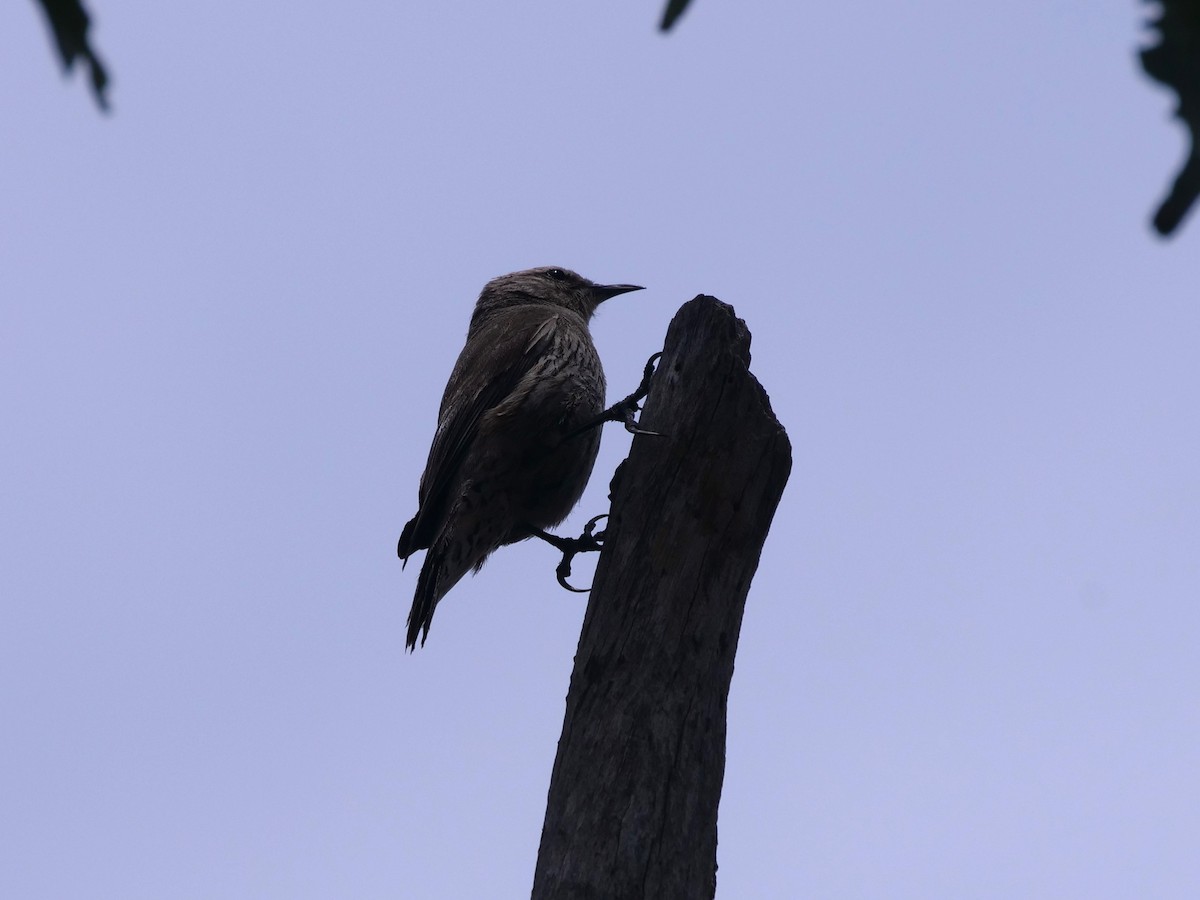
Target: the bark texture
pixel 632 810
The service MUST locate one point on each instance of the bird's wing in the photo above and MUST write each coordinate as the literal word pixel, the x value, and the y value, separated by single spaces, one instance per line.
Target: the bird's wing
pixel 488 370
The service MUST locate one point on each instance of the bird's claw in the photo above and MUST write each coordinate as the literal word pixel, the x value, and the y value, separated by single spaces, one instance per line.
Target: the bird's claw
pixel 588 542
pixel 625 410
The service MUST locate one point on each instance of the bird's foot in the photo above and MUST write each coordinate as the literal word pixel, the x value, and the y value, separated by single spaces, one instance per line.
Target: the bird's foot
pixel 626 410
pixel 588 542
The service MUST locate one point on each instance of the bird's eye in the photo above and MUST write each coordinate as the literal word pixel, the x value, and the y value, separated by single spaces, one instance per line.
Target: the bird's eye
pixel 557 274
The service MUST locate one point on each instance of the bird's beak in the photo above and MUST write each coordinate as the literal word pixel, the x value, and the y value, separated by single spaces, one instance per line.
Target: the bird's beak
pixel 604 292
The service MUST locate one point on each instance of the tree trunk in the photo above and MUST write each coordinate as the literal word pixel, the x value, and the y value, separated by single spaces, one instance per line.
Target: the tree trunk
pixel 632 810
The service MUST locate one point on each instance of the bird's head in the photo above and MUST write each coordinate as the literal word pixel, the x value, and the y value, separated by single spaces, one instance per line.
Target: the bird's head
pixel 549 286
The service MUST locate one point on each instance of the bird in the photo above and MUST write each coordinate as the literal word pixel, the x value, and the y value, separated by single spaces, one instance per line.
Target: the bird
pixel 515 441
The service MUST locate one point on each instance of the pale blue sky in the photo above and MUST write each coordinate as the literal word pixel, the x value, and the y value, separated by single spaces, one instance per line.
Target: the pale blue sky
pixel 969 663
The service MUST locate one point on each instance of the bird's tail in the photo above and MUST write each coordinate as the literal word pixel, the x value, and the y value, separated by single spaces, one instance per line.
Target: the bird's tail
pixel 425 599
pixel 447 561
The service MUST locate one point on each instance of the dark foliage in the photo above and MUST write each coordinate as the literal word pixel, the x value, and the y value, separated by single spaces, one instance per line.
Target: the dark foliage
pixel 1175 61
pixel 69 21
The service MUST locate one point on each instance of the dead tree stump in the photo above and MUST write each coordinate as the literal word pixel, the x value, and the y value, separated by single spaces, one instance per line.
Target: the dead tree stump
pixel 632 809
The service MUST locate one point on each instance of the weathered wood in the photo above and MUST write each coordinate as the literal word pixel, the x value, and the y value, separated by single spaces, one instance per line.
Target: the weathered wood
pixel 632 809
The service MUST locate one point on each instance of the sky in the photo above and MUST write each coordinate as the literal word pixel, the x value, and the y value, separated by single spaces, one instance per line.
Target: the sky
pixel 968 664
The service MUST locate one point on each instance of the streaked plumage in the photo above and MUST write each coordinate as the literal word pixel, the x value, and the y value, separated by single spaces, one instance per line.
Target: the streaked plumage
pixel 508 453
